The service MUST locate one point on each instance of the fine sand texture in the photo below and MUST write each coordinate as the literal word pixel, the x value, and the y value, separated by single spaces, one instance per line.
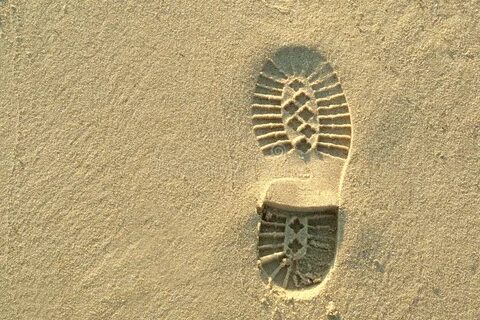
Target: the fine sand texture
pixel 256 159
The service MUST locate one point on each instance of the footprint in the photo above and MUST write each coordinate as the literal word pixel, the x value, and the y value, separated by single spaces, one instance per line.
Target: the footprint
pixel 299 110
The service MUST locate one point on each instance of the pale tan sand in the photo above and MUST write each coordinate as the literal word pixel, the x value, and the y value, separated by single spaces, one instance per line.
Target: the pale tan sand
pixel 130 172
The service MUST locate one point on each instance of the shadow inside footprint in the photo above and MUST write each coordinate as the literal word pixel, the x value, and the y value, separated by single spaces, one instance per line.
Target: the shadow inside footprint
pixel 296 249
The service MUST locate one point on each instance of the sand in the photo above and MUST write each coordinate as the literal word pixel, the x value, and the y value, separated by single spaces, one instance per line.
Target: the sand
pixel 130 173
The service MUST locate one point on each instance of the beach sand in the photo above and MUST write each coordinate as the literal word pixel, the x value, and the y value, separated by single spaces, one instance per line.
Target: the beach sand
pixel 130 173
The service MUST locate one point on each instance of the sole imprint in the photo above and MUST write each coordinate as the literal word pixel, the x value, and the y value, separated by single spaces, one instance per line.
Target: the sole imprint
pixel 295 249
pixel 299 108
pixel 299 105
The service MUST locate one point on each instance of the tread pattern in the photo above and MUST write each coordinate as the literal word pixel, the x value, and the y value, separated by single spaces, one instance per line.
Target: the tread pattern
pixel 299 105
pixel 296 250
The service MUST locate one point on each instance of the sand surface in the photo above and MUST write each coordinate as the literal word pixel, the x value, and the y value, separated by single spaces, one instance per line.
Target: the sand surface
pixel 130 172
